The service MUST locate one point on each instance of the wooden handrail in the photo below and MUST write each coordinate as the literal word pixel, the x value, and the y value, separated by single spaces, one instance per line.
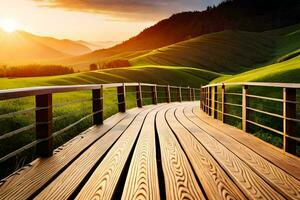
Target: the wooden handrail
pixel 33 91
pixel 44 108
pixel 262 84
pixel 209 100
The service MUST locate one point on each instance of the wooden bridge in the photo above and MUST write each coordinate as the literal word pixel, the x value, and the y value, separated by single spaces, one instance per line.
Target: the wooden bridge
pixel 170 150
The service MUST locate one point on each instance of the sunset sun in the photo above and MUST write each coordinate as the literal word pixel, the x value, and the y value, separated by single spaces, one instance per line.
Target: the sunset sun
pixel 8 25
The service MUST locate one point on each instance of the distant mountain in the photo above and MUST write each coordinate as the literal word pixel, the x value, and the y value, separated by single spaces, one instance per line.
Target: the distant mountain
pixel 243 15
pixel 21 47
pixel 98 45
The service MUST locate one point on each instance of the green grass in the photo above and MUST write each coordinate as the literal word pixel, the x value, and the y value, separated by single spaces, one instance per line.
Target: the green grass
pixel 229 51
pixel 173 75
pixel 240 57
pixel 68 114
pixel 287 71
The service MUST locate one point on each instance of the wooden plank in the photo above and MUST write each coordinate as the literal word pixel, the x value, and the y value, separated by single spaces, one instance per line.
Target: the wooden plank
pixel 286 184
pixel 102 184
pixel 142 177
pixel 178 175
pixel 287 162
pixel 215 182
pixel 253 186
pixel 26 181
pixel 65 184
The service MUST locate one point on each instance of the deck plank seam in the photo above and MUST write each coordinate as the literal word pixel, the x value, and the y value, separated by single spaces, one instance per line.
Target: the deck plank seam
pixel 119 189
pixel 84 181
pixel 192 167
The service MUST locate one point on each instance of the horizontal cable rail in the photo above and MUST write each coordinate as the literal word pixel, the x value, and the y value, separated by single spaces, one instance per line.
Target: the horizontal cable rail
pixel 217 96
pixel 44 119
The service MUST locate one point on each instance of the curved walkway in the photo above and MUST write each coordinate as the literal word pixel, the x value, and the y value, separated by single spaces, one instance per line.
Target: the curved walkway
pixel 167 151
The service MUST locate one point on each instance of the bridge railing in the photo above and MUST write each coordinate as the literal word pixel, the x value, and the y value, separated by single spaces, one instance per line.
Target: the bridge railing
pixel 44 105
pixel 258 108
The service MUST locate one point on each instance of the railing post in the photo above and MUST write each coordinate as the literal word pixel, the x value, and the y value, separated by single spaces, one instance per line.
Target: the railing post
pixel 214 104
pixel 200 97
pixel 289 127
pixel 98 106
pixel 194 95
pixel 168 94
pixel 139 100
pixel 209 101
pixel 121 98
pixel 44 125
pixel 244 108
pixel 179 95
pixel 154 94
pixel 206 100
pixel 223 103
pixel 190 94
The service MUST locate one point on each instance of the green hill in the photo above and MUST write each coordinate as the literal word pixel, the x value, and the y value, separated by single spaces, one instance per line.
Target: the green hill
pixel 287 71
pixel 243 15
pixel 184 76
pixel 227 51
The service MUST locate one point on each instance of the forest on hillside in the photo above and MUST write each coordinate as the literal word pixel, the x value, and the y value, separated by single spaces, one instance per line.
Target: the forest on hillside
pixel 247 15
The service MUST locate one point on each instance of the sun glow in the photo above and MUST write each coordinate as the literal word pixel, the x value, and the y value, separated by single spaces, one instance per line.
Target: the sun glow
pixel 8 25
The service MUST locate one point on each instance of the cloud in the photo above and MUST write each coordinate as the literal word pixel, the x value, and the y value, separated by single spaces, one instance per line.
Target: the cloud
pixel 130 9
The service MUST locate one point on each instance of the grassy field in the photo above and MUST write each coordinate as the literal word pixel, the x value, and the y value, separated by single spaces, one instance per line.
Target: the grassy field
pixel 287 71
pixel 173 75
pixel 229 51
pixel 228 56
pixel 70 107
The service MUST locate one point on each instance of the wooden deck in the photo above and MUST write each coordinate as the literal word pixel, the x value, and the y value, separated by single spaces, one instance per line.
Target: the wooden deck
pixel 165 151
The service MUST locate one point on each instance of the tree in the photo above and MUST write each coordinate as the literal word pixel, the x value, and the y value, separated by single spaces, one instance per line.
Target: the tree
pixel 93 66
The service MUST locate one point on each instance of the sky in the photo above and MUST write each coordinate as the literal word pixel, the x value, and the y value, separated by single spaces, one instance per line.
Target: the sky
pixel 91 20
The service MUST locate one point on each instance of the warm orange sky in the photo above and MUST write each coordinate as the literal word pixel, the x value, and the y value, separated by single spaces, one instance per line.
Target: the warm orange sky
pixel 91 20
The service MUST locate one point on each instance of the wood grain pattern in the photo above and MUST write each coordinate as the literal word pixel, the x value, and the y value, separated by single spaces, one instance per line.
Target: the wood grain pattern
pixel 180 182
pixel 253 186
pixel 142 177
pixel 195 149
pixel 26 182
pixel 286 184
pixel 66 183
pixel 214 180
pixel 102 183
pixel 287 162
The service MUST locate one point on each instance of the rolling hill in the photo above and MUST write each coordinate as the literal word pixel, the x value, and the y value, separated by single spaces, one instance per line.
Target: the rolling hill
pixel 284 72
pixel 184 76
pixel 242 15
pixel 227 51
